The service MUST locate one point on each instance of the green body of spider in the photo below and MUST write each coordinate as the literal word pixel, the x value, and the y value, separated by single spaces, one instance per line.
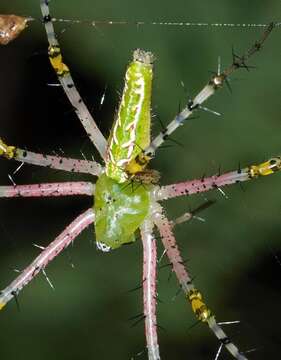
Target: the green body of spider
pixel 122 204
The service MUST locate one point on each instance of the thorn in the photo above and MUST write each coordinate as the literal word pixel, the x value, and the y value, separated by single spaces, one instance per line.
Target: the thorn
pixel 234 57
pixel 138 354
pixel 204 206
pixel 179 107
pixel 53 85
pixel 161 257
pixel 194 324
pixel 218 352
pixel 177 294
pixel 222 192
pixel 136 288
pixel 142 317
pixel 156 297
pixel 164 266
pixel 135 317
pixel 239 168
pixel 199 218
pixel 18 168
pixel 241 186
pixel 161 123
pixel 239 61
pixel 184 261
pixel 170 274
pixel 209 110
pixel 219 66
pixel 39 246
pixel 228 85
pixel 70 258
pixel 165 146
pixel 103 97
pixel 161 327
pixel 176 142
pixel 83 155
pixel 11 179
pixel 15 295
pixel 250 350
pixel 48 280
pixel 61 151
pixel 229 322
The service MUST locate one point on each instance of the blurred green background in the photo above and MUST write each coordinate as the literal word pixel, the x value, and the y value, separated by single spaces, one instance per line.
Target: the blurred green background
pixel 233 255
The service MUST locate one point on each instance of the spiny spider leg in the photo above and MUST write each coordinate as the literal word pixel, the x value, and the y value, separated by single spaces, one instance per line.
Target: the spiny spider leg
pixel 51 161
pixel 216 82
pixel 48 189
pixel 68 85
pixel 200 309
pixel 68 235
pixel 149 289
pixel 216 181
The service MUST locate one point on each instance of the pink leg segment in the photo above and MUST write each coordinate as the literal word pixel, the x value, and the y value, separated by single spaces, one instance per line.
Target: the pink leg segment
pixel 58 163
pixel 172 251
pixel 47 255
pixel 149 289
pixel 48 189
pixel 202 185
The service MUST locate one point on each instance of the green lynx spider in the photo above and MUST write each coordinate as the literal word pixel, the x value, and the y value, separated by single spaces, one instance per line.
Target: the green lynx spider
pixel 117 183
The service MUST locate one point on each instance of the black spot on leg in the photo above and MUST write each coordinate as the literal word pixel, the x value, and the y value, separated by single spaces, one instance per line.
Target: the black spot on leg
pixel 225 340
pixel 47 18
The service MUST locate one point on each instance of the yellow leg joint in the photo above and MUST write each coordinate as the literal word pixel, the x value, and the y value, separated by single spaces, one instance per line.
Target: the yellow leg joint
pixel 56 61
pixel 200 309
pixel 266 168
pixel 6 150
pixel 2 305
